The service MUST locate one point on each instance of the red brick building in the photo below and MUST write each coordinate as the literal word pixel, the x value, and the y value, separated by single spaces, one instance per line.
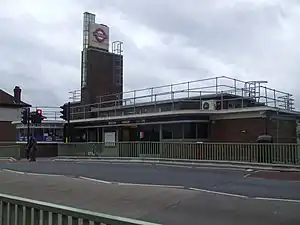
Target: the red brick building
pixel 10 110
pixel 217 109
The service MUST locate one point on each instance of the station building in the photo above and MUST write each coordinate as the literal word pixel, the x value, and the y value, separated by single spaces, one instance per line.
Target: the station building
pixel 49 131
pixel 219 109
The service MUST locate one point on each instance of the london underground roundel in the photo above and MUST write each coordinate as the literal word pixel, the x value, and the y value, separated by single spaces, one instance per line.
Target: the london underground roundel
pixel 100 35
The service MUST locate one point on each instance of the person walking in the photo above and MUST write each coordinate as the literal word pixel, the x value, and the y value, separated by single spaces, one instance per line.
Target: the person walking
pixel 32 149
pixel 27 149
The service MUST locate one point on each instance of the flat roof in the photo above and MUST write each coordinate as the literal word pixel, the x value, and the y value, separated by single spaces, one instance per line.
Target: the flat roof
pixel 190 112
pixel 218 88
pixel 44 122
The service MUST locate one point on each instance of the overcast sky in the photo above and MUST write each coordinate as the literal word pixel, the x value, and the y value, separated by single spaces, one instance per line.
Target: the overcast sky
pixel 165 41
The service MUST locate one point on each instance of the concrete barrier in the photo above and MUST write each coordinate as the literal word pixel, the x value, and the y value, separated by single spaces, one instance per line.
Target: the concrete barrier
pixel 17 150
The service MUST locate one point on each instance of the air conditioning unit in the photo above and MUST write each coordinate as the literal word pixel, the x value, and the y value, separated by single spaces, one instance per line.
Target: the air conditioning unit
pixel 209 105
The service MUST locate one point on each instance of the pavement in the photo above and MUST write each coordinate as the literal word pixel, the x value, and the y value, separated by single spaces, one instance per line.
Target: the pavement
pixel 160 193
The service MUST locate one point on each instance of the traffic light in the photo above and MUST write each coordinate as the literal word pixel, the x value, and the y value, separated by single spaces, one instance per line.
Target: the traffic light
pixel 37 116
pixel 25 116
pixel 65 112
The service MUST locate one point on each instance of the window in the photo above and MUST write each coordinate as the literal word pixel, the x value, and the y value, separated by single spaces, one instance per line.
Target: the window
pixel 172 131
pixel 190 131
pixel 167 131
pixel 202 130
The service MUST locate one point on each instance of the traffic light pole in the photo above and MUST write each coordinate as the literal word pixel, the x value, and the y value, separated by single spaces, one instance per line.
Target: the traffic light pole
pixel 28 124
pixel 68 122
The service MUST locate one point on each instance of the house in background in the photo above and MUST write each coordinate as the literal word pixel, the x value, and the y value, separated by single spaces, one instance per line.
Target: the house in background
pixel 10 110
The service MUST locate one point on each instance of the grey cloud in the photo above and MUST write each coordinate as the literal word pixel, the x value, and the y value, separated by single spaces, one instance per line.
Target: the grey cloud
pixel 249 35
pixel 24 55
pixel 200 38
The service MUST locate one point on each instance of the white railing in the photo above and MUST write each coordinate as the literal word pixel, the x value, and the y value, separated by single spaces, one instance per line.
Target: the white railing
pixel 22 211
pixel 242 152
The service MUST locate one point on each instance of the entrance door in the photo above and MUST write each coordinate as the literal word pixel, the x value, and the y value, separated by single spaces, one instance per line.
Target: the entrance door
pixel 125 134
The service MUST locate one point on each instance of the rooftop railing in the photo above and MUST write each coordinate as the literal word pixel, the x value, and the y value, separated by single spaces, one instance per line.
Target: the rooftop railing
pixel 189 92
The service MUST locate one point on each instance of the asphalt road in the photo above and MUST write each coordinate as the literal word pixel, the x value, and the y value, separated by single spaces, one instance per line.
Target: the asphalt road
pixel 169 206
pixel 238 182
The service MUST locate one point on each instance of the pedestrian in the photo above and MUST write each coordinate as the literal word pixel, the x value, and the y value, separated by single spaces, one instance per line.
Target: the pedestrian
pixel 28 147
pixel 33 149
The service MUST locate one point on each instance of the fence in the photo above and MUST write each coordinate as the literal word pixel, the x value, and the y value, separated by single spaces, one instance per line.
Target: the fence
pixel 17 210
pixel 244 152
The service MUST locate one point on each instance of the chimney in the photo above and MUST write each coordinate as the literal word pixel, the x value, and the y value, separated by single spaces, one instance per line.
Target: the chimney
pixel 17 94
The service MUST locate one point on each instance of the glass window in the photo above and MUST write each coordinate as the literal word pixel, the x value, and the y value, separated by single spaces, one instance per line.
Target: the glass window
pixel 202 130
pixel 172 131
pixel 38 133
pixel 177 130
pixel 190 131
pixel 21 134
pixel 167 131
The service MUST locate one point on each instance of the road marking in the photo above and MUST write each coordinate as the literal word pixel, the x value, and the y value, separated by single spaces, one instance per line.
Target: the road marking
pixel 13 171
pixel 28 173
pixel 149 185
pixel 44 174
pixel 198 167
pixel 119 163
pixel 277 199
pixel 249 174
pixel 219 193
pixel 91 179
pixel 10 159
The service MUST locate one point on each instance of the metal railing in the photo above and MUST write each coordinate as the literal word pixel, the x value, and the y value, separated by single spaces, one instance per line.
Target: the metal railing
pixel 288 154
pixel 17 210
pixel 164 98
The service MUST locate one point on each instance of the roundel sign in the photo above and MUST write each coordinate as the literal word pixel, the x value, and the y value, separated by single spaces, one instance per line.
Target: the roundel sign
pixel 100 35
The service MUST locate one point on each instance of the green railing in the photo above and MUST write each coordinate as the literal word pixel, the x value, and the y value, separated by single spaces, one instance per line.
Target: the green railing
pixel 21 211
pixel 242 152
pixel 287 154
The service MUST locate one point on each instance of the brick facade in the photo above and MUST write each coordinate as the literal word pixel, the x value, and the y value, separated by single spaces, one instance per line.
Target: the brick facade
pixel 7 131
pixel 247 130
pixel 101 77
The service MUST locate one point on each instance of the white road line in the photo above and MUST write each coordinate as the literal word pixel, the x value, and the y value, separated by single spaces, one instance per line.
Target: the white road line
pixel 179 166
pixel 149 185
pixel 119 163
pixel 28 173
pixel 99 181
pixel 13 171
pixel 249 174
pixel 278 199
pixel 218 193
pixel 44 174
pixel 200 167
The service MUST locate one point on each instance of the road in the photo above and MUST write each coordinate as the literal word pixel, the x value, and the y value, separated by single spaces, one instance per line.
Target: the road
pixel 225 180
pixel 210 195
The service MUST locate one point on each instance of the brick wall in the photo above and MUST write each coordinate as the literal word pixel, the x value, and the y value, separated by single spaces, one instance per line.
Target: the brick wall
pixel 247 130
pixel 7 131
